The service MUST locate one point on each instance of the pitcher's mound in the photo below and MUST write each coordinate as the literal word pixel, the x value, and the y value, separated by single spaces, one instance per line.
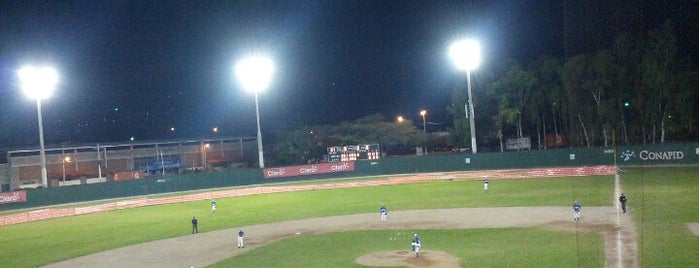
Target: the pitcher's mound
pixel 405 258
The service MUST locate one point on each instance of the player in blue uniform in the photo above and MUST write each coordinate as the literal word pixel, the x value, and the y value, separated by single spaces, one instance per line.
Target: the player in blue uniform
pixel 576 211
pixel 384 213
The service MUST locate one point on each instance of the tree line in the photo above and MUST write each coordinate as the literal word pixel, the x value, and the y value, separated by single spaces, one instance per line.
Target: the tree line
pixel 638 91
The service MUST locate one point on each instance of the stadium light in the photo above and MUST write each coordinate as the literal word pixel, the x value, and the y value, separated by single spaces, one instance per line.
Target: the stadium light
pixel 255 74
pixel 66 159
pixel 39 83
pixel 466 55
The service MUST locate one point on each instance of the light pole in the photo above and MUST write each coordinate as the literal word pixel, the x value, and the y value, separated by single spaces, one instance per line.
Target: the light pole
pixel 65 159
pixel 38 83
pixel 255 74
pixel 424 124
pixel 466 55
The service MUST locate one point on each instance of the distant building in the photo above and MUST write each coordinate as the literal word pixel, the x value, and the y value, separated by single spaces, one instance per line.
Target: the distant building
pixel 101 162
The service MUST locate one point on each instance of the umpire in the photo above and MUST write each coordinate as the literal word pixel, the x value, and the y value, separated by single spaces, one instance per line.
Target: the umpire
pixel 622 200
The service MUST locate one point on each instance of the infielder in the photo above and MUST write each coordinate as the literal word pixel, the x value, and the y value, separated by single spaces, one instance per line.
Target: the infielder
pixel 213 205
pixel 241 234
pixel 384 213
pixel 576 211
pixel 485 184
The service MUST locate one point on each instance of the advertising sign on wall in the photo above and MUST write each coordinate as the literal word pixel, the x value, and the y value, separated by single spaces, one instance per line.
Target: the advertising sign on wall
pixel 280 172
pixel 518 144
pixel 13 197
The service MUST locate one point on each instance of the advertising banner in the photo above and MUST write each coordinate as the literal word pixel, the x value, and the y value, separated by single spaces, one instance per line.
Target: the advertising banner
pixel 13 197
pixel 280 172
pixel 518 144
pixel 660 154
pixel 129 175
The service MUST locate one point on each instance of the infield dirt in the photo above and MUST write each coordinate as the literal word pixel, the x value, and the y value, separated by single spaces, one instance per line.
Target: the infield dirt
pixel 203 249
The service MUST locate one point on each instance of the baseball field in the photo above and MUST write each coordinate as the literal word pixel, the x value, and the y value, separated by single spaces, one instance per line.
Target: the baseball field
pixel 516 223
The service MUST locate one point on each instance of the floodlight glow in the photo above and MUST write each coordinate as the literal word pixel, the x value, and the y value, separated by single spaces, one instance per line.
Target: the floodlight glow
pixel 255 73
pixel 38 82
pixel 466 54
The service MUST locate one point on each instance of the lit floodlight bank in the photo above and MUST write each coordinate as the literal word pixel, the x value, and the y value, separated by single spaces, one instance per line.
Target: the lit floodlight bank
pixel 466 54
pixel 38 82
pixel 254 73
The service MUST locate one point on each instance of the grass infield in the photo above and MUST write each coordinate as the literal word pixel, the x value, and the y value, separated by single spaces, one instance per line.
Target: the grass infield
pixel 661 200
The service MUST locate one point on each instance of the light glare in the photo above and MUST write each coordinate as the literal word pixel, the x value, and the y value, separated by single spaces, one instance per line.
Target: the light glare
pixel 38 82
pixel 466 54
pixel 254 73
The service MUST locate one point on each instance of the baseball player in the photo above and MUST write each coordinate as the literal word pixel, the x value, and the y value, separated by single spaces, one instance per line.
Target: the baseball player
pixel 622 200
pixel 195 222
pixel 241 234
pixel 416 244
pixel 213 205
pixel 576 211
pixel 485 183
pixel 384 213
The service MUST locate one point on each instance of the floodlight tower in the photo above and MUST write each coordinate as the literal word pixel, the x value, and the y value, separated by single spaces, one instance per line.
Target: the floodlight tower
pixel 39 83
pixel 255 74
pixel 466 55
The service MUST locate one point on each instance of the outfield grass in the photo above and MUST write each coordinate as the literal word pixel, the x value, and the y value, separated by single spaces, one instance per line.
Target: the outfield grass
pixel 37 243
pixel 663 201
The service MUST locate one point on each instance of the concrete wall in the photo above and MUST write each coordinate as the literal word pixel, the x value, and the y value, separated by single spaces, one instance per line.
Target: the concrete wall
pixel 672 154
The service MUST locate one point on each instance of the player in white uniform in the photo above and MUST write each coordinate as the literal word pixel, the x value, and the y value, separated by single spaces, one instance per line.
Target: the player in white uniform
pixel 213 205
pixel 416 244
pixel 384 213
pixel 576 211
pixel 485 184
pixel 241 234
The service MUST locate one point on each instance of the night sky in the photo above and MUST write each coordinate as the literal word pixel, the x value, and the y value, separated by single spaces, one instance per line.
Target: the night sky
pixel 138 68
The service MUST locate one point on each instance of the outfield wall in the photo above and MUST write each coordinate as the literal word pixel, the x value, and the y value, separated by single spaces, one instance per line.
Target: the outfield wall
pixel 672 154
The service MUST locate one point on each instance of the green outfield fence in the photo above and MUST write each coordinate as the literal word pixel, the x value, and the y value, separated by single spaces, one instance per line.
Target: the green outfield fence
pixel 668 154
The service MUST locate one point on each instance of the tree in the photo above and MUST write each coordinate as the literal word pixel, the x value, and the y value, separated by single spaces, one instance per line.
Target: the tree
pixel 626 57
pixel 547 95
pixel 517 87
pixel 310 143
pixel 659 79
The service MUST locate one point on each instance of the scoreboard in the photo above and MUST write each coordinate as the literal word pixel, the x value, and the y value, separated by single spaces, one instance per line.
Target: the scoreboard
pixel 353 152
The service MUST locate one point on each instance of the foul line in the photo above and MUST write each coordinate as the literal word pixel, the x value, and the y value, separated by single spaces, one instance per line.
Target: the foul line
pixel 617 192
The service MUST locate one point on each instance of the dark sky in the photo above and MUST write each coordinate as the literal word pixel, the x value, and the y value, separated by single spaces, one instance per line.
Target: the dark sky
pixel 138 68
